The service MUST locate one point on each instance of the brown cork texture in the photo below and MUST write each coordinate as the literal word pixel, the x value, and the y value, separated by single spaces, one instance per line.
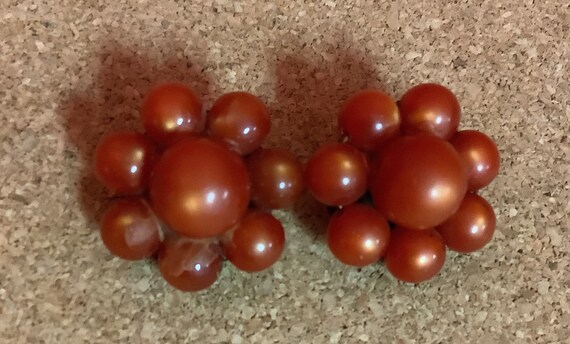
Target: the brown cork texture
pixel 73 70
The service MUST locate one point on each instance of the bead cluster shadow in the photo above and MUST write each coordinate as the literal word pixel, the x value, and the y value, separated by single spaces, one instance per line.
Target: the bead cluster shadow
pixel 308 94
pixel 112 101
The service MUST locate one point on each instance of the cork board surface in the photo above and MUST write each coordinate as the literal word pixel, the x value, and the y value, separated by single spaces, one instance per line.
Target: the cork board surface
pixel 73 70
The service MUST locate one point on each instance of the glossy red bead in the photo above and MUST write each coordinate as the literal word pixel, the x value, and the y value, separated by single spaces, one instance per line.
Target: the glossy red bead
pixel 200 188
pixel 337 174
pixel 480 155
pixel 170 112
pixel 276 178
pixel 256 243
pixel 358 235
pixel 189 265
pixel 420 181
pixel 429 109
pixel 369 118
pixel 123 162
pixel 415 256
pixel 471 227
pixel 239 119
pixel 130 230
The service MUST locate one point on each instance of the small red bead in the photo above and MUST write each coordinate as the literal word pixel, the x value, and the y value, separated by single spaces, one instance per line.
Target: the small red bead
pixel 189 265
pixel 123 162
pixel 130 230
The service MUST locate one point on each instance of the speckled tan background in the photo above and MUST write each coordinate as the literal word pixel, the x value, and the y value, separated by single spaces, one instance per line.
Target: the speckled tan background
pixel 71 70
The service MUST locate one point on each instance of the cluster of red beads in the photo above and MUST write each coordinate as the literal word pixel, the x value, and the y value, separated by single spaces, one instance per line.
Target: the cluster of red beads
pixel 422 174
pixel 197 188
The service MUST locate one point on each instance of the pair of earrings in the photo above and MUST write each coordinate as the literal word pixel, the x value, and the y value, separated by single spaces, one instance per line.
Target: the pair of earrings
pixel 199 189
